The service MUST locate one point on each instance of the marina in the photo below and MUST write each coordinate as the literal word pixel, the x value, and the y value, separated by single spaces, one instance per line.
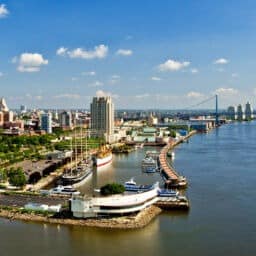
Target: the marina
pixel 205 229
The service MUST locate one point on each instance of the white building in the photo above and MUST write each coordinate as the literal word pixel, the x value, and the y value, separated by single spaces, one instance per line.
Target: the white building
pixel 102 117
pixel 46 122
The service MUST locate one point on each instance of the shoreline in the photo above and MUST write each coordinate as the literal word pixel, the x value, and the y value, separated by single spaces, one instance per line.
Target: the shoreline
pixel 137 221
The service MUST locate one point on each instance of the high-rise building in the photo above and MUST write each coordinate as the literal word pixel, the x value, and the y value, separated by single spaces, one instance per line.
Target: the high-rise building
pixel 65 119
pixel 231 113
pixel 102 117
pixel 248 111
pixel 23 109
pixel 46 122
pixel 240 113
pixel 3 105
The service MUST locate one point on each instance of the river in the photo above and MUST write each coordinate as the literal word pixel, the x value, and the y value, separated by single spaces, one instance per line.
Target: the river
pixel 220 167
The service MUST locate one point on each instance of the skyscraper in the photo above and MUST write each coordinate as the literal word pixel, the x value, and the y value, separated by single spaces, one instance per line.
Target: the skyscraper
pixel 46 122
pixel 248 111
pixel 231 113
pixel 65 119
pixel 102 117
pixel 240 113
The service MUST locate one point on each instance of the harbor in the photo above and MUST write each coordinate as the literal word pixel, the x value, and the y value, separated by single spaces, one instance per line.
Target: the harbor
pixel 205 229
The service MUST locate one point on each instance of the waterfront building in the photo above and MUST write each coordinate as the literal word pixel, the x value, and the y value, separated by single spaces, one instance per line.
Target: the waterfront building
pixel 248 111
pixel 231 113
pixel 102 118
pixel 84 207
pixel 46 122
pixel 240 113
pixel 65 119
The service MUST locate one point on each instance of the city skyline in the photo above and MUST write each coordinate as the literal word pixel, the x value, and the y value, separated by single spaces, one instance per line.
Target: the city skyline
pixel 144 55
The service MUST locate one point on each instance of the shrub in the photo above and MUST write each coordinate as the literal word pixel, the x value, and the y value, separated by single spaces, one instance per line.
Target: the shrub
pixel 111 189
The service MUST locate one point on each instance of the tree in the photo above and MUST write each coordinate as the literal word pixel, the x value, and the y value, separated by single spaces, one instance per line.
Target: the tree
pixel 112 188
pixel 17 177
pixel 3 175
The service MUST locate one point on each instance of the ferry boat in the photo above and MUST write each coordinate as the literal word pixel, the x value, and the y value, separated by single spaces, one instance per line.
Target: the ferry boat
pixel 131 185
pixel 64 190
pixel 84 207
pixel 167 193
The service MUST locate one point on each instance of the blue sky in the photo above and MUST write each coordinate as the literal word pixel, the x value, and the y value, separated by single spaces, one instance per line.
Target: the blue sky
pixel 145 54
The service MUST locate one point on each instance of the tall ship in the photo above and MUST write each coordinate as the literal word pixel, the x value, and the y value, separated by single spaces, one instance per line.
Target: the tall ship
pixel 103 157
pixel 81 168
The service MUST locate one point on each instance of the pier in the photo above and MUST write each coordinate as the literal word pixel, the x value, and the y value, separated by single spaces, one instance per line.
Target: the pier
pixel 171 177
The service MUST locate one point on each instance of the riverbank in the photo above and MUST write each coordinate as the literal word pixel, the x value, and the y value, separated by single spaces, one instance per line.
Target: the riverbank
pixel 137 221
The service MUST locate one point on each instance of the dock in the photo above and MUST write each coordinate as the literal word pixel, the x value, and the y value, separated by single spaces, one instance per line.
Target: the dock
pixel 170 175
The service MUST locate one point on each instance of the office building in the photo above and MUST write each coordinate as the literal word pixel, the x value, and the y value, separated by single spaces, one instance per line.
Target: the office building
pixel 231 113
pixel 102 117
pixel 240 113
pixel 65 120
pixel 46 122
pixel 248 111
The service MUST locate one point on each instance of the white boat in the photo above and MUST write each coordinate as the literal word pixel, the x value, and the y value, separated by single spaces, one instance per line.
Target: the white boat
pixel 131 185
pixel 148 164
pixel 103 160
pixel 83 207
pixel 64 190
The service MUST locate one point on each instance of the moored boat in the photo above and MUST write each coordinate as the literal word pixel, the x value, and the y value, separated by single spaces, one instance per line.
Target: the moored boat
pixel 131 185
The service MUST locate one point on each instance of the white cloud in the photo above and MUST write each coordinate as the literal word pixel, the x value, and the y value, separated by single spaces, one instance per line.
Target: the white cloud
pixel 226 91
pixel 115 77
pixel 1 74
pixel 172 65
pixel 67 96
pixel 3 11
pixel 221 61
pixel 98 52
pixel 89 73
pixel 155 78
pixel 30 62
pixel 194 95
pixel 101 93
pixel 74 78
pixel 194 70
pixel 62 51
pixel 142 96
pixel 124 52
pixel 96 84
pixel 234 75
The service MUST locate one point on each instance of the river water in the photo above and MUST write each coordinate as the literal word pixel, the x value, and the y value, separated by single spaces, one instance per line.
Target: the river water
pixel 221 170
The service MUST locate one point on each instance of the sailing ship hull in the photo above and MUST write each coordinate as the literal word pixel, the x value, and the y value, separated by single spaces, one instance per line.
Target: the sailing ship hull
pixel 69 180
pixel 103 161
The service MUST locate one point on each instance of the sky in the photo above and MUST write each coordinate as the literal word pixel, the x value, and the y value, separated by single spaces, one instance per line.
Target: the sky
pixel 167 54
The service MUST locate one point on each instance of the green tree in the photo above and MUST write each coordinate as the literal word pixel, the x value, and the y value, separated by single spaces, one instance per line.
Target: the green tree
pixel 17 177
pixel 3 175
pixel 112 188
